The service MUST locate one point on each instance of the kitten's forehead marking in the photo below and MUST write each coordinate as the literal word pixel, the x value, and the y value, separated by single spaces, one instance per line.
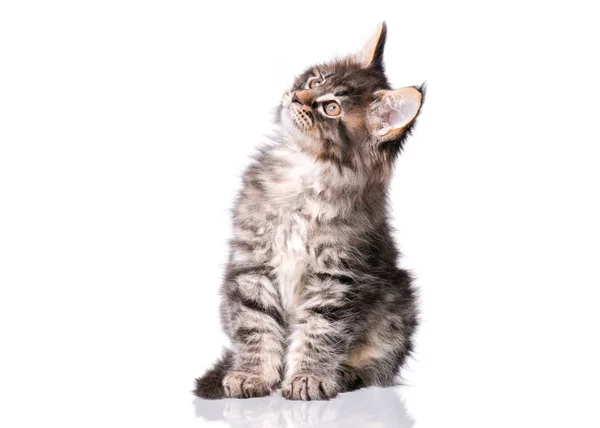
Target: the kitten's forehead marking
pixel 316 75
pixel 328 97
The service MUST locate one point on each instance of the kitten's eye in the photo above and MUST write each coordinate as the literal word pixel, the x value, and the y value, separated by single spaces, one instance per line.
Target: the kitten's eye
pixel 315 82
pixel 332 108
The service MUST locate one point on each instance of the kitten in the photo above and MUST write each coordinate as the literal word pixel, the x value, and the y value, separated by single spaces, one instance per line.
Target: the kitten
pixel 312 298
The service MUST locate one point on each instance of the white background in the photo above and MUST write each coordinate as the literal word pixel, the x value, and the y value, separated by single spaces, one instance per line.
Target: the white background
pixel 125 126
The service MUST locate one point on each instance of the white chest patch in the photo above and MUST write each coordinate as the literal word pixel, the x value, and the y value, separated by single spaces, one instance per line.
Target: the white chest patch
pixel 290 257
pixel 289 247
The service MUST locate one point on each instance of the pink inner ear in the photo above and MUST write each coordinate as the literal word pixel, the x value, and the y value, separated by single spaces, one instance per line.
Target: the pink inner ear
pixel 391 120
pixel 394 118
pixel 399 109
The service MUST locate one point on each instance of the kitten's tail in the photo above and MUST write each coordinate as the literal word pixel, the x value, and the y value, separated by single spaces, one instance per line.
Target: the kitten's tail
pixel 210 386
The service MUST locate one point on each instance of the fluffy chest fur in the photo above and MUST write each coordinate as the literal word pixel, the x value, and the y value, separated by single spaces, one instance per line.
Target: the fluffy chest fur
pixel 290 257
pixel 292 189
pixel 294 220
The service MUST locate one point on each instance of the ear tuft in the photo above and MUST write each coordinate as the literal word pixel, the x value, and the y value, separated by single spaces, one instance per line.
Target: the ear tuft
pixel 371 55
pixel 393 111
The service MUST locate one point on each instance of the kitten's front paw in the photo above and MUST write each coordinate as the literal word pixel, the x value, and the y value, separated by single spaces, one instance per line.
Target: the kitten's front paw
pixel 245 385
pixel 308 387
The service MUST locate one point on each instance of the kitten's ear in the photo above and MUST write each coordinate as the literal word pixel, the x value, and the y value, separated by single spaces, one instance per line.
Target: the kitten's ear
pixel 371 55
pixel 393 111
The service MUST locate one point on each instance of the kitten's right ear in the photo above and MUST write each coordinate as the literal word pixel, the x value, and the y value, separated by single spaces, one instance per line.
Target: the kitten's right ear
pixel 393 111
pixel 371 55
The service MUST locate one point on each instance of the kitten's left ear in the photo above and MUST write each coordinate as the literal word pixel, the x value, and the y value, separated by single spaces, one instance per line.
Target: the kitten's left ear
pixel 393 111
pixel 371 55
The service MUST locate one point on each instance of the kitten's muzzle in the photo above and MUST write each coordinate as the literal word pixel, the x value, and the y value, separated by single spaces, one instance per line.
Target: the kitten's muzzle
pixel 301 116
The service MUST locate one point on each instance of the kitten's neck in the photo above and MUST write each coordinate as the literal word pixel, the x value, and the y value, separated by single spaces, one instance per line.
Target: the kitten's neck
pixel 328 178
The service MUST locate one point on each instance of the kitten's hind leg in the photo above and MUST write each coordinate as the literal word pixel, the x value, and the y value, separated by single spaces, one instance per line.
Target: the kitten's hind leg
pixel 386 346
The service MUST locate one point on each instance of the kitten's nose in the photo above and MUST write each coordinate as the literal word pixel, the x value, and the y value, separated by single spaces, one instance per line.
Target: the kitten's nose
pixel 302 97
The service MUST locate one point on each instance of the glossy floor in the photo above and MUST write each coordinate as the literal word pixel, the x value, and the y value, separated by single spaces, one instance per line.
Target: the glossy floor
pixel 372 407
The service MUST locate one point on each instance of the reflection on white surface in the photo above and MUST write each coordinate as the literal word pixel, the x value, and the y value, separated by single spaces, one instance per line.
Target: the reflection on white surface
pixel 365 408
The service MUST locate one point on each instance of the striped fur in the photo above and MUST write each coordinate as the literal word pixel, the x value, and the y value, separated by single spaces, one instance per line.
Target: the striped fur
pixel 312 299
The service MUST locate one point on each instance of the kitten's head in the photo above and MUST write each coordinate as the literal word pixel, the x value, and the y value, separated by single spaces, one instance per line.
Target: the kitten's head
pixel 346 112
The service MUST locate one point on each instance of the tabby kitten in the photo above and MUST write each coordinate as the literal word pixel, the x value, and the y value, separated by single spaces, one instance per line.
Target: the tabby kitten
pixel 312 298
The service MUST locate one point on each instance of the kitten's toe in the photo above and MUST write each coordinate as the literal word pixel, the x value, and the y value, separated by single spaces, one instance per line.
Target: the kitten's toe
pixel 245 385
pixel 309 387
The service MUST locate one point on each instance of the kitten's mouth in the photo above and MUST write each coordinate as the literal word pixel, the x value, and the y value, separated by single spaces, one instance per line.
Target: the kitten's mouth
pixel 301 117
